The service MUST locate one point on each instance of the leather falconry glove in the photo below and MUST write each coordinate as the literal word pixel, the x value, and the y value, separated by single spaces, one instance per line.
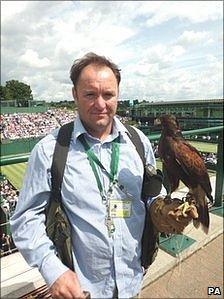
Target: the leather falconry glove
pixel 172 216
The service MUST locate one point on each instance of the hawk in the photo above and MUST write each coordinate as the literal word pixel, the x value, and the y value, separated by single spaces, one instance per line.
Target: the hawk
pixel 183 162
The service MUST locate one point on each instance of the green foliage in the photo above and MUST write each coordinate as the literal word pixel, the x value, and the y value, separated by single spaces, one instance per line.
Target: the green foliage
pixel 15 90
pixel 63 104
pixel 2 92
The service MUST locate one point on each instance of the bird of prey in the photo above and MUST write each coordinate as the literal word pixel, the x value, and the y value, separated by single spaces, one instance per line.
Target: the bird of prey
pixel 183 162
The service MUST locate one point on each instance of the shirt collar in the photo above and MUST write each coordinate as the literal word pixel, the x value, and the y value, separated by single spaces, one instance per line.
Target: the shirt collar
pixel 78 128
pixel 118 128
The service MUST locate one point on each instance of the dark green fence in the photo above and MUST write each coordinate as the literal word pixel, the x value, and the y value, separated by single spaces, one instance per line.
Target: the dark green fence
pixel 19 146
pixel 10 110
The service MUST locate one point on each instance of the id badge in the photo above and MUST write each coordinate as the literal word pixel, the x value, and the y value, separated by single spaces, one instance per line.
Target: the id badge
pixel 120 208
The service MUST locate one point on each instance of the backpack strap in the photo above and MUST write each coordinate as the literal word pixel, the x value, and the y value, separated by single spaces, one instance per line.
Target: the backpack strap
pixel 136 140
pixel 150 237
pixel 59 159
pixel 57 224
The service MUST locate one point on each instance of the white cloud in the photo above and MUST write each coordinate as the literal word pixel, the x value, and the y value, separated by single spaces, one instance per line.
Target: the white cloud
pixel 191 37
pixel 194 11
pixel 31 58
pixel 154 82
pixel 158 58
pixel 166 49
pixel 11 8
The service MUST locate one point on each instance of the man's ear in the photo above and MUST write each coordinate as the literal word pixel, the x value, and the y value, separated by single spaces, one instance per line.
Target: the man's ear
pixel 74 94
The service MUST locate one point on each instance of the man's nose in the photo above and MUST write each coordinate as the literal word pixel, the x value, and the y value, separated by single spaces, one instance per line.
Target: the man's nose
pixel 100 102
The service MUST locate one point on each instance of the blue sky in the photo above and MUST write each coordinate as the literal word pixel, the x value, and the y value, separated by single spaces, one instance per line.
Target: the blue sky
pixel 167 50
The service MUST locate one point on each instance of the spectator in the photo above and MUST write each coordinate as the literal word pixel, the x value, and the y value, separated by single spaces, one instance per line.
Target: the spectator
pixel 26 125
pixel 9 196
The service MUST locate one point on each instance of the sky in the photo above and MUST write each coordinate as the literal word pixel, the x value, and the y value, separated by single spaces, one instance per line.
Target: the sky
pixel 166 50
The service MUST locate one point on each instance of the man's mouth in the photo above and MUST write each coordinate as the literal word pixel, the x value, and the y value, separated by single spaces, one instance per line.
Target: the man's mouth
pixel 100 114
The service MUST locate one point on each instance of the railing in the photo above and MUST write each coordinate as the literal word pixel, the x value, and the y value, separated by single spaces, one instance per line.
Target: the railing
pixel 14 159
pixel 219 167
pixel 192 132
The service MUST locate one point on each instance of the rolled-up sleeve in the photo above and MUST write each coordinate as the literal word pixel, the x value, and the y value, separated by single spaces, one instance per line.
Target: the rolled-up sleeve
pixel 28 221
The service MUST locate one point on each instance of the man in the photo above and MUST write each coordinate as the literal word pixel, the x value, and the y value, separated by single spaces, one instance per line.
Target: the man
pixel 103 204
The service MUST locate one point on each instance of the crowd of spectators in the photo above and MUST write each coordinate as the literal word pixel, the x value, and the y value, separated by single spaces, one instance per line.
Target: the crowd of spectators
pixel 63 116
pixel 124 119
pixel 209 158
pixel 26 125
pixel 9 198
pixel 7 245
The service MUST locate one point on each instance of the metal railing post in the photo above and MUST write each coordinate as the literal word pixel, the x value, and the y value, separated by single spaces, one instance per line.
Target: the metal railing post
pixel 219 172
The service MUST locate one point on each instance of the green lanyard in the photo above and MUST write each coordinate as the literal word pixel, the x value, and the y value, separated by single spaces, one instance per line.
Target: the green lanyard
pixel 93 160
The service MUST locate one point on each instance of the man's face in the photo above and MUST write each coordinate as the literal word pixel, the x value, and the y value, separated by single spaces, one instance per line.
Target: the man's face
pixel 96 96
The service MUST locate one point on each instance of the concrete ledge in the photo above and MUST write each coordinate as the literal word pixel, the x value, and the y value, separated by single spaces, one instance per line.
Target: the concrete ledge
pixel 17 277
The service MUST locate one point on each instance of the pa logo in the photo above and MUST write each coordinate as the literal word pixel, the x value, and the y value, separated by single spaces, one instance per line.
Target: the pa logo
pixel 214 291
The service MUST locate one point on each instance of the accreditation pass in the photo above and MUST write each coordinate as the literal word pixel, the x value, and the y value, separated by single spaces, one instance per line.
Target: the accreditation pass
pixel 120 208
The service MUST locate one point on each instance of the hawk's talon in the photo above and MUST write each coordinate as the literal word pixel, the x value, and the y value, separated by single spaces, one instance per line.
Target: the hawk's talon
pixel 183 208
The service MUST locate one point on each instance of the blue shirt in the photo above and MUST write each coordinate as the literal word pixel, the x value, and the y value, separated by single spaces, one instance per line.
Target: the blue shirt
pixel 101 262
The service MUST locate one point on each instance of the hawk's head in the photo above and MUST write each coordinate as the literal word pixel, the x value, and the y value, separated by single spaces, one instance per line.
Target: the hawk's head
pixel 169 123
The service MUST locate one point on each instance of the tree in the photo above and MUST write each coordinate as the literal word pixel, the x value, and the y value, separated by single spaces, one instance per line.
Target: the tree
pixel 2 93
pixel 15 90
pixel 62 104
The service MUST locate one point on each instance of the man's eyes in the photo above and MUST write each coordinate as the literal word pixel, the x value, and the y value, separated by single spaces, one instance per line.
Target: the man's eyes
pixel 90 95
pixel 106 96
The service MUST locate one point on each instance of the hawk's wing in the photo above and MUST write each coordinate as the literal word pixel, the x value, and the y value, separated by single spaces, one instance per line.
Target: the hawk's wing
pixel 192 164
pixel 188 159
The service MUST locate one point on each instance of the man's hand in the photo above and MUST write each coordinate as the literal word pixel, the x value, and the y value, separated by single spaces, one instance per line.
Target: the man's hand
pixel 172 216
pixel 67 286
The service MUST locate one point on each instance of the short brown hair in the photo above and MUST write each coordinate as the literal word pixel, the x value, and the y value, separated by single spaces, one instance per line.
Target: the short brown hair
pixel 92 58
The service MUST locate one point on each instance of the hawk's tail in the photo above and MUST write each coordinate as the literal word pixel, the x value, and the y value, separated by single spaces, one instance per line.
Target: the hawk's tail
pixel 202 207
pixel 203 217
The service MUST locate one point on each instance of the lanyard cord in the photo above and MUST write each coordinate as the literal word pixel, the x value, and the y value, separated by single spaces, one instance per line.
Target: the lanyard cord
pixel 93 160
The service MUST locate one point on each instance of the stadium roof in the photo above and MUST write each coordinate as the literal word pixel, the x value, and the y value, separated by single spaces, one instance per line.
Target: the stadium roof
pixel 181 102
